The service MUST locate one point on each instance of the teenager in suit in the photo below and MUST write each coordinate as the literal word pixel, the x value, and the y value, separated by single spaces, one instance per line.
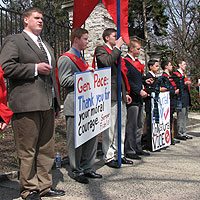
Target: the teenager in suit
pixel 153 66
pixel 168 84
pixel 184 96
pixel 107 56
pixel 29 65
pixel 134 125
pixel 82 158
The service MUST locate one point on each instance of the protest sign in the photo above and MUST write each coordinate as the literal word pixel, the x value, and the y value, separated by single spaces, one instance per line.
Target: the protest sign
pixel 160 131
pixel 92 104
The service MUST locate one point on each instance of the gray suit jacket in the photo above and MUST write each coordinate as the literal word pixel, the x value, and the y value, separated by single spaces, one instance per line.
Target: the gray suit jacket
pixel 66 69
pixel 104 59
pixel 27 92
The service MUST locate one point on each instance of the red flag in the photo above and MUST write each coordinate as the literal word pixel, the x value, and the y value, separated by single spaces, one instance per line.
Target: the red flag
pixel 5 112
pixel 111 6
pixel 82 10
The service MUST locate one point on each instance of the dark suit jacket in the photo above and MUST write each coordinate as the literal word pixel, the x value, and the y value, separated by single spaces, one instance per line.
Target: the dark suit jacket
pixel 27 92
pixel 135 79
pixel 104 59
pixel 149 88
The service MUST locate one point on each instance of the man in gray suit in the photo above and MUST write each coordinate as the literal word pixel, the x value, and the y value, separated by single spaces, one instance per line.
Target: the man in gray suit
pixel 29 65
pixel 82 158
pixel 107 56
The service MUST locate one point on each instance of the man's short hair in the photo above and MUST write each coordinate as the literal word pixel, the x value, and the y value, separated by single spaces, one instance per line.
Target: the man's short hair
pixel 151 63
pixel 133 43
pixel 29 11
pixel 77 33
pixel 164 63
pixel 180 61
pixel 108 32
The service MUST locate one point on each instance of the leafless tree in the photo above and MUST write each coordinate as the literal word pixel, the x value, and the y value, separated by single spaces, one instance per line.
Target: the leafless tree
pixel 184 31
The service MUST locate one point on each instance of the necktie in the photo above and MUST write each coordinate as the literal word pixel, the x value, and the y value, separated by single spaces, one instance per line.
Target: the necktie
pixel 48 79
pixel 42 49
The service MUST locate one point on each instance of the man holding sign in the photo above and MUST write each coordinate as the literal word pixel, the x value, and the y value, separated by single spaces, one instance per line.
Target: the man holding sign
pixel 81 158
pixel 107 56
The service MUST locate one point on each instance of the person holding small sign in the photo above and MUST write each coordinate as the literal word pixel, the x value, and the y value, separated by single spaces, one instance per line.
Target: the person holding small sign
pixel 107 56
pixel 168 84
pixel 153 66
pixel 81 158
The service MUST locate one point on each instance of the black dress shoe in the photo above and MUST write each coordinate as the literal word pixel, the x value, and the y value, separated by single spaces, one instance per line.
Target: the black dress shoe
pixel 188 137
pixel 143 153
pixel 179 137
pixel 133 156
pixel 34 195
pixel 93 174
pixel 126 161
pixel 112 164
pixel 176 141
pixel 81 179
pixel 54 193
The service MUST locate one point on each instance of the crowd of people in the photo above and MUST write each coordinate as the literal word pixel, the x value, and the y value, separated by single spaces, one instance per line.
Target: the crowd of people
pixel 28 63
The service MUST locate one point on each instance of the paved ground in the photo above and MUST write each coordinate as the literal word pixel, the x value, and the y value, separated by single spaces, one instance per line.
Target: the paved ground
pixel 171 174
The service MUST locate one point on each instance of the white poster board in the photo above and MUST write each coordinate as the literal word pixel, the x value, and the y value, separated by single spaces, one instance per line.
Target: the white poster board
pixel 92 104
pixel 161 131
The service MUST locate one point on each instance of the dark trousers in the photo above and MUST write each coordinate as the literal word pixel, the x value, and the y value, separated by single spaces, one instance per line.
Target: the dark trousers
pixel 134 129
pixel 82 158
pixel 33 132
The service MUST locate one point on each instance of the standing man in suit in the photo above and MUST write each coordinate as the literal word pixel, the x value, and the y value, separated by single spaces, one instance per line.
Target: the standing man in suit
pixel 29 65
pixel 184 97
pixel 82 158
pixel 134 126
pixel 107 56
pixel 153 66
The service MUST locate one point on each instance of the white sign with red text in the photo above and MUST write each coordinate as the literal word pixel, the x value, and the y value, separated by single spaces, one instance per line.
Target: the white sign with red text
pixel 92 104
pixel 160 131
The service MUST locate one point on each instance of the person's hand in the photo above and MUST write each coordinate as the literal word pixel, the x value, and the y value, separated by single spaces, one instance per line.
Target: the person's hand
pixel 188 82
pixel 177 91
pixel 149 81
pixel 90 69
pixel 163 89
pixel 128 99
pixel 2 126
pixel 143 94
pixel 119 42
pixel 43 68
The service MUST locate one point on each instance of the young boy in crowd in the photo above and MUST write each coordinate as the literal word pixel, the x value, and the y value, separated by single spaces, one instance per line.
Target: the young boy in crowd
pixel 153 66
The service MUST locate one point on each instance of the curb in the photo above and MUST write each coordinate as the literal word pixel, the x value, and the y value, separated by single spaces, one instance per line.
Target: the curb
pixel 9 175
pixel 193 126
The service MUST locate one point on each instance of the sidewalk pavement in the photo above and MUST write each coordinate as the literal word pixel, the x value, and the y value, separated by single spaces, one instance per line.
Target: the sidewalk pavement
pixel 171 174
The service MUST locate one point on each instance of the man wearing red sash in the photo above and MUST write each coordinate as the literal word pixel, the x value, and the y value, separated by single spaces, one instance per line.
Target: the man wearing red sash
pixel 184 97
pixel 82 158
pixel 134 126
pixel 107 56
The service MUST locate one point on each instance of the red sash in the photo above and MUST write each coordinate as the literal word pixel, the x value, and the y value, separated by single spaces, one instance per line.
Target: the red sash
pixel 5 112
pixel 123 69
pixel 170 79
pixel 137 64
pixel 178 74
pixel 82 66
